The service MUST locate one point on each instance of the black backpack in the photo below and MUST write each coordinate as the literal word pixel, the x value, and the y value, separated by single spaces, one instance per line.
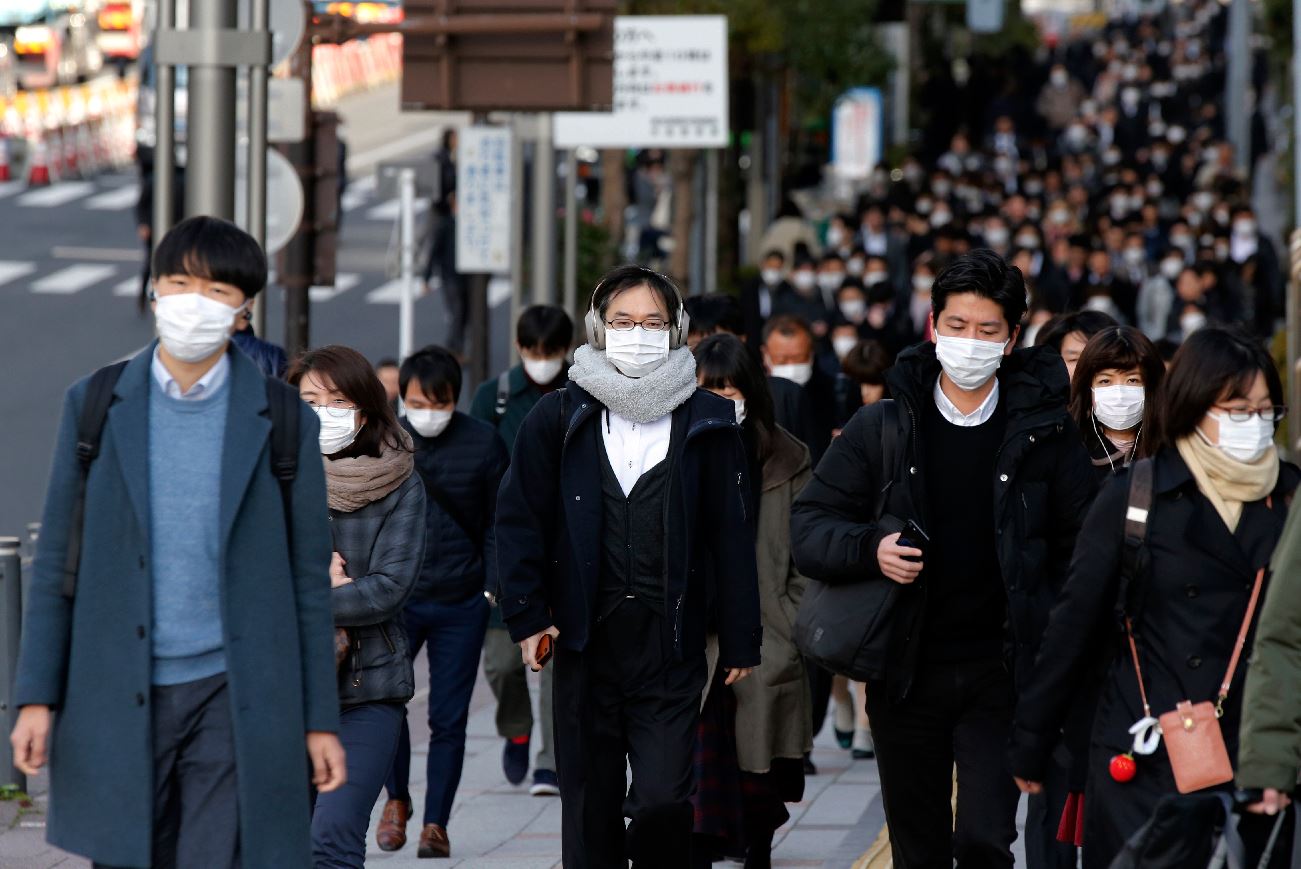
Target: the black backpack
pixel 282 402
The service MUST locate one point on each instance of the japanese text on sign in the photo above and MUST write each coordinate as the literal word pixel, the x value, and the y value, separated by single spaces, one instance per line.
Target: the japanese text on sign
pixel 670 87
pixel 483 208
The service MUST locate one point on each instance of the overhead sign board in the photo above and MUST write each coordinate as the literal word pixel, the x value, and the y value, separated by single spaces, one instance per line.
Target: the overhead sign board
pixel 670 87
pixel 857 133
pixel 483 206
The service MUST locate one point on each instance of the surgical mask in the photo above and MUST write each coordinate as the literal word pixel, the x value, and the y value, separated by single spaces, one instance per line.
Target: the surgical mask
pixel 805 280
pixel 543 371
pixel 1119 408
pixel 1029 242
pixel 1244 441
pixel 942 187
pixel 1170 268
pixel 1034 188
pixel 337 432
pixel 835 236
pixel 842 344
pixel 853 310
pixel 923 283
pixel 799 372
pixel 429 423
pixel 996 236
pixel 829 282
pixel 1060 78
pixel 871 279
pixel 1244 228
pixel 636 352
pixel 940 218
pixel 1203 200
pixel 740 409
pixel 855 266
pixel 969 362
pixel 191 326
pixel 1191 322
pixel 771 277
pixel 1134 256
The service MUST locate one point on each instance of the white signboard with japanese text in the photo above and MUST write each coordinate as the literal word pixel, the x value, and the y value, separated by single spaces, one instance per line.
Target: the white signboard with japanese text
pixel 670 87
pixel 483 207
pixel 857 133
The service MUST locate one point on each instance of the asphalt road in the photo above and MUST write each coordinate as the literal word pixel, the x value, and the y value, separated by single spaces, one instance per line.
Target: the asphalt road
pixel 70 264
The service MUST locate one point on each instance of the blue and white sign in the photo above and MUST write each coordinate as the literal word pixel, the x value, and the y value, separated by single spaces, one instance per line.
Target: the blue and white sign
pixel 857 133
pixel 483 206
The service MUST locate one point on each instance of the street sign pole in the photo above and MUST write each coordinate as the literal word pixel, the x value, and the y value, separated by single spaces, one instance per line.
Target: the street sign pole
pixel 407 302
pixel 570 297
pixel 165 133
pixel 257 153
pixel 210 170
pixel 544 215
pixel 516 235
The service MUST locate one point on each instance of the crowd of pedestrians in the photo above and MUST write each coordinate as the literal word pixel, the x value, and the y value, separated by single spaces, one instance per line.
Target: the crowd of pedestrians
pixel 1022 387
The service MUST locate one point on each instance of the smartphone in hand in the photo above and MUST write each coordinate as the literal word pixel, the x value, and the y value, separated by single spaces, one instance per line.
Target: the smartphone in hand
pixel 914 537
pixel 545 650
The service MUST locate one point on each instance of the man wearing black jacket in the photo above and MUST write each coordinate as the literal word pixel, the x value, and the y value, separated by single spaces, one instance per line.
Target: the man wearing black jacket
pixel 992 469
pixel 622 534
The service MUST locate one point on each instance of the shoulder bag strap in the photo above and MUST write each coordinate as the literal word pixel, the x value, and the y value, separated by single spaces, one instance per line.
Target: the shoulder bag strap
pixel 1237 646
pixel 889 451
pixel 1137 509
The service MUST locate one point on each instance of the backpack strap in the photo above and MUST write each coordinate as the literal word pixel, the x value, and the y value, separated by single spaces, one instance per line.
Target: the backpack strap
pixel 503 394
pixel 283 406
pixel 889 451
pixel 90 428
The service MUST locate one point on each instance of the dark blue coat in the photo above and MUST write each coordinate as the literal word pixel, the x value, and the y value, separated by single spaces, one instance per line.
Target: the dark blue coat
pixel 549 522
pixel 90 657
pixel 466 463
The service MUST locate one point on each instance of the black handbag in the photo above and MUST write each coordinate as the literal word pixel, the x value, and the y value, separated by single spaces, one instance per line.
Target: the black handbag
pixel 1196 830
pixel 845 627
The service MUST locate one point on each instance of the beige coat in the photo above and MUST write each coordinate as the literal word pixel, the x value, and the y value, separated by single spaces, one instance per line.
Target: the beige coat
pixel 773 707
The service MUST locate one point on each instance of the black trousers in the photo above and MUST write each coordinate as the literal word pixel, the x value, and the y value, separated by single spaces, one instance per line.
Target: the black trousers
pixel 1044 816
pixel 624 701
pixel 955 713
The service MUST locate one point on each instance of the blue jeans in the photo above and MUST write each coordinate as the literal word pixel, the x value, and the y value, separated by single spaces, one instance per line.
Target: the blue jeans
pixel 452 633
pixel 369 734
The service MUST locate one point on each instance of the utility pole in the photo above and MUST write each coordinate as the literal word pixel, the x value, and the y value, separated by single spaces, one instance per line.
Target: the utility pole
pixel 210 170
pixel 1238 97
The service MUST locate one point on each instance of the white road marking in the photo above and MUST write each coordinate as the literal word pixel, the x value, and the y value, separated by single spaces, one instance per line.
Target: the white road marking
pixel 388 294
pixel 389 210
pixel 12 270
pixel 56 194
pixel 9 188
pixel 129 287
pixel 118 199
pixel 73 279
pixel 343 282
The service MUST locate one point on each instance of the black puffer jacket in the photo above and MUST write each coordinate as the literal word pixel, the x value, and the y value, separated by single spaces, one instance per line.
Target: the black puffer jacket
pixel 1043 482
pixel 383 544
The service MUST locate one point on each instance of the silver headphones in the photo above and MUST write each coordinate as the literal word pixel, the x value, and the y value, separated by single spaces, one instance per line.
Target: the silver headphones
pixel 677 331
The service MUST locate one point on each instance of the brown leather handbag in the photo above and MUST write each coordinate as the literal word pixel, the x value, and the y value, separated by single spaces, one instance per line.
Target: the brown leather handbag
pixel 1191 731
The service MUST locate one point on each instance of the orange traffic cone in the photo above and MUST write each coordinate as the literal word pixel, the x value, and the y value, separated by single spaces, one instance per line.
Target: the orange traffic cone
pixel 38 168
pixel 4 158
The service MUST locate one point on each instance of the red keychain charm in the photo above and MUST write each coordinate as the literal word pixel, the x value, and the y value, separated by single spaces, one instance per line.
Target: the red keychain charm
pixel 1123 768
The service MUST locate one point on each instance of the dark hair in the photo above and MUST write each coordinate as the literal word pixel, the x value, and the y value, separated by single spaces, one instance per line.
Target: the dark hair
pixel 786 325
pixel 1121 347
pixel 867 363
pixel 722 361
pixel 986 274
pixel 437 372
pixel 715 312
pixel 353 376
pixel 1087 323
pixel 545 326
pixel 1211 362
pixel 386 362
pixel 629 277
pixel 214 250
pixel 775 252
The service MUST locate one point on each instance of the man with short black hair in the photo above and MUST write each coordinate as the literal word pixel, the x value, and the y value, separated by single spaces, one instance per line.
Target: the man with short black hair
pixel 991 469
pixel 788 354
pixel 622 536
pixel 761 298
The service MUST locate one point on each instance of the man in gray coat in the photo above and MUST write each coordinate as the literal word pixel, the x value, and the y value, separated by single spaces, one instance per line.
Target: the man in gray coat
pixel 191 662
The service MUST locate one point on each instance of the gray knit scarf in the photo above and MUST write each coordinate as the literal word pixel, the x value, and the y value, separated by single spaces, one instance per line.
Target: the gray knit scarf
pixel 640 399
pixel 351 484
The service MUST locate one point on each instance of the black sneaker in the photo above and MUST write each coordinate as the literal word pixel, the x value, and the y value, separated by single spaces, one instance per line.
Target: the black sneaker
pixel 515 760
pixel 545 784
pixel 809 768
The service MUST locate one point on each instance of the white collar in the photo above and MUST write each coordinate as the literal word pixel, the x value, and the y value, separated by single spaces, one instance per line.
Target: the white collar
pixel 209 383
pixel 980 415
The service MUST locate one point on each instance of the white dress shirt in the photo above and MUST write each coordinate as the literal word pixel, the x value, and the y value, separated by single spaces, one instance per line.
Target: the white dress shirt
pixel 206 386
pixel 950 411
pixel 635 447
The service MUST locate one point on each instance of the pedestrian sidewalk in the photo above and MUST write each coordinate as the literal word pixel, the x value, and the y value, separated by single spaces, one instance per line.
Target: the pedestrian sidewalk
pixel 496 825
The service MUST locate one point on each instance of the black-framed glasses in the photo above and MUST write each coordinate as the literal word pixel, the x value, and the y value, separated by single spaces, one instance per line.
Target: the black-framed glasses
pixel 1268 414
pixel 650 324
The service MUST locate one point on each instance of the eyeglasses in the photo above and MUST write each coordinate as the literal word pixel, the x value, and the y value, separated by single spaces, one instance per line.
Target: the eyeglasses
pixel 1268 414
pixel 339 409
pixel 625 324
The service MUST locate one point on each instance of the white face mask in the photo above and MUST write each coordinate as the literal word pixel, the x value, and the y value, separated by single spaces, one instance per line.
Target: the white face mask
pixel 740 410
pixel 636 352
pixel 1191 322
pixel 771 277
pixel 855 266
pixel 853 310
pixel 1134 256
pixel 842 344
pixel 1171 268
pixel 1119 408
pixel 922 284
pixel 835 236
pixel 543 371
pixel 969 362
pixel 1243 441
pixel 800 372
pixel 804 280
pixel 191 326
pixel 429 423
pixel 337 432
pixel 829 282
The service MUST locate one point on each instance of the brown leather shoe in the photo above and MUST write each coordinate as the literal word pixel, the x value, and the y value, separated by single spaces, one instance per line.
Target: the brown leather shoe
pixel 392 832
pixel 433 842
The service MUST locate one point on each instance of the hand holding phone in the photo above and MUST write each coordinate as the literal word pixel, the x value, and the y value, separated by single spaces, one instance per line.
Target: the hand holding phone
pixel 914 537
pixel 545 650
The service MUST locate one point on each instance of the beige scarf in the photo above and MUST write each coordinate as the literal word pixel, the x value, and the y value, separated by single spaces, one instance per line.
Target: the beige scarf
pixel 1228 483
pixel 351 484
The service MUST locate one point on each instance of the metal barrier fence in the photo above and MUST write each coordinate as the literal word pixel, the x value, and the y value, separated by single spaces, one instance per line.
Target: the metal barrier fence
pixel 11 614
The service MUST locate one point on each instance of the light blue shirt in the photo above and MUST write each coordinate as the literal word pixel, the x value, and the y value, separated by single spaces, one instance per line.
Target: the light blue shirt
pixel 209 383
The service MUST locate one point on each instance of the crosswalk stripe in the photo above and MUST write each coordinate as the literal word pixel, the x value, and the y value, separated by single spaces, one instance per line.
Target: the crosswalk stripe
pixel 386 294
pixel 116 199
pixel 9 188
pixel 389 210
pixel 56 195
pixel 11 270
pixel 73 279
pixel 129 287
pixel 343 282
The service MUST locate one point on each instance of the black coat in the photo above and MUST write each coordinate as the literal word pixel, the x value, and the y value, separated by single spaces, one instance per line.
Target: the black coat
pixel 753 314
pixel 465 463
pixel 549 518
pixel 1189 606
pixel 1042 485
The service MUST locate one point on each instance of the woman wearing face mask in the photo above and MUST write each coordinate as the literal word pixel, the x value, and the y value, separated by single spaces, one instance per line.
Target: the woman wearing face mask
pixel 753 735
pixel 377 512
pixel 1113 397
pixel 1216 504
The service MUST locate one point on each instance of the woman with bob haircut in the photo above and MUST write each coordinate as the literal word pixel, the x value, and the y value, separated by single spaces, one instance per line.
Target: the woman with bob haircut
pixel 377 517
pixel 1166 630
pixel 1113 397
